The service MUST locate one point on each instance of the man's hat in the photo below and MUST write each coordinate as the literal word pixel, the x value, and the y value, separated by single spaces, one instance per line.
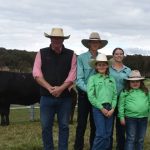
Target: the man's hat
pixel 56 32
pixel 94 36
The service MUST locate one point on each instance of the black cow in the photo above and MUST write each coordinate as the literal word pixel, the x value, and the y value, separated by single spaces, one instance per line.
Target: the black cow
pixel 16 88
pixel 21 88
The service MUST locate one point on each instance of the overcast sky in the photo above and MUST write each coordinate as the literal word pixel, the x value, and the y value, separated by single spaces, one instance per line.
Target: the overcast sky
pixel 124 23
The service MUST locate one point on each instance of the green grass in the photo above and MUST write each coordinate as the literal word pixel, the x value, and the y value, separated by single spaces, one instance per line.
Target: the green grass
pixel 23 134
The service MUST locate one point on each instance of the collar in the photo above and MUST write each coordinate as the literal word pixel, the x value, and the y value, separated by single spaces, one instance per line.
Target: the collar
pixel 91 56
pixel 123 68
pixel 103 76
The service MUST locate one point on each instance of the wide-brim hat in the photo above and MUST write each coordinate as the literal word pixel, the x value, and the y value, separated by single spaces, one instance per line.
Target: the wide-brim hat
pixel 100 58
pixel 135 75
pixel 94 36
pixel 56 32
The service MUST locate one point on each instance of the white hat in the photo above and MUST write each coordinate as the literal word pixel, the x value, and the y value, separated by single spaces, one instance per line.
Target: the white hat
pixel 56 32
pixel 94 36
pixel 135 75
pixel 100 57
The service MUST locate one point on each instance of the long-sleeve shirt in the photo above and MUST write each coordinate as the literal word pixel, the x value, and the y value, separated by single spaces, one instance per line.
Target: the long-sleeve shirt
pixel 119 76
pixel 37 72
pixel 102 89
pixel 84 71
pixel 134 103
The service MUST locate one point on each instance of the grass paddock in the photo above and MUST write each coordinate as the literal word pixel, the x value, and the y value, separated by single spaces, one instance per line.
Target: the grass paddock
pixel 23 134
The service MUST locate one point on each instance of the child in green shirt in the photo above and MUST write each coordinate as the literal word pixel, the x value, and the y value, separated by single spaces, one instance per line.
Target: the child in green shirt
pixel 102 94
pixel 134 103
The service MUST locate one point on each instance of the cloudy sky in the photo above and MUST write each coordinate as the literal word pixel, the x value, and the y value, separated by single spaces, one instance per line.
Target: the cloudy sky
pixel 124 23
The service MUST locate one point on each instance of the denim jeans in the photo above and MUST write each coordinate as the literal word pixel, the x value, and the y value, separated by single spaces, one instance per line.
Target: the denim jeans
pixel 84 110
pixel 103 130
pixel 135 132
pixel 48 107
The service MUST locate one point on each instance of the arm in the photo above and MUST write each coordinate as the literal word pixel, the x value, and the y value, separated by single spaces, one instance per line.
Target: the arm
pixel 73 71
pixel 80 75
pixel 121 107
pixel 114 99
pixel 91 94
pixel 37 73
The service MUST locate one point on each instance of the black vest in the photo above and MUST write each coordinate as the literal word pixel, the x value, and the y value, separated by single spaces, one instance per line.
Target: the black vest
pixel 55 68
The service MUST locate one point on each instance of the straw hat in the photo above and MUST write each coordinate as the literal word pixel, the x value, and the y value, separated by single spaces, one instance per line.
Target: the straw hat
pixel 135 75
pixel 100 57
pixel 56 32
pixel 94 36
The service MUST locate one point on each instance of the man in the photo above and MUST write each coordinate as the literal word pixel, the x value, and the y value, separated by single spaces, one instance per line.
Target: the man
pixel 84 71
pixel 55 71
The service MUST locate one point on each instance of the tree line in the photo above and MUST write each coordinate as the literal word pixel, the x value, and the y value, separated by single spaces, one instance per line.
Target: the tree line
pixel 22 61
pixel 16 60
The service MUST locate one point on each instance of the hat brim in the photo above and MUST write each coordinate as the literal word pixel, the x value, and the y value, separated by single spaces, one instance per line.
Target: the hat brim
pixel 135 79
pixel 85 42
pixel 93 62
pixel 49 36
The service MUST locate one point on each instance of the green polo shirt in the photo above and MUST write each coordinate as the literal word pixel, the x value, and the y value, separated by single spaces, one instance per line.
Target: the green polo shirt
pixel 134 103
pixel 102 89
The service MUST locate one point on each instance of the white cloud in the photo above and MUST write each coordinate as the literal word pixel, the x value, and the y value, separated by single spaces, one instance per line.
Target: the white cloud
pixel 122 23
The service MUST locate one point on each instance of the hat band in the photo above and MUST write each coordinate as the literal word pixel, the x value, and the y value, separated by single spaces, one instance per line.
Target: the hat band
pixel 94 38
pixel 136 77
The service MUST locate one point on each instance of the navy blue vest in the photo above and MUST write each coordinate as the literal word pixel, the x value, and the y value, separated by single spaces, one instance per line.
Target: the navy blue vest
pixel 55 68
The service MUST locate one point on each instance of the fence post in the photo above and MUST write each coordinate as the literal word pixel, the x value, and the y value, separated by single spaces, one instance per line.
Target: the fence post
pixel 32 116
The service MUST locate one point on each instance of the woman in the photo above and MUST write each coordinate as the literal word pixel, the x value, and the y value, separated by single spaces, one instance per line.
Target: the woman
pixel 120 72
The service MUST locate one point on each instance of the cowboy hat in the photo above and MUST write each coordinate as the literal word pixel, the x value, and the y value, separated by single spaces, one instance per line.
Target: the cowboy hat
pixel 56 32
pixel 135 75
pixel 99 58
pixel 94 36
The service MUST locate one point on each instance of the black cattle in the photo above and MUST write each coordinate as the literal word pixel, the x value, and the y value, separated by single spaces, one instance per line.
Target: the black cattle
pixel 21 88
pixel 16 88
pixel 74 96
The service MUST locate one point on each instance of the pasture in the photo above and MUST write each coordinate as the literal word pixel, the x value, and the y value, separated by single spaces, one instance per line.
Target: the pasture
pixel 23 134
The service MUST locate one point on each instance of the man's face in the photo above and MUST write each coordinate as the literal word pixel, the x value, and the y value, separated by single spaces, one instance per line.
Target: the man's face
pixel 57 42
pixel 94 45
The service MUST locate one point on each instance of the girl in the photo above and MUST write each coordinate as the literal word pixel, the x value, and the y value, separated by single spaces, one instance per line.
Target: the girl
pixel 102 94
pixel 133 109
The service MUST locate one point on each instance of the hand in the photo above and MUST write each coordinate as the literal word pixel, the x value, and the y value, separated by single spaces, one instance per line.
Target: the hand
pixel 104 111
pixel 110 112
pixel 56 91
pixel 50 89
pixel 122 122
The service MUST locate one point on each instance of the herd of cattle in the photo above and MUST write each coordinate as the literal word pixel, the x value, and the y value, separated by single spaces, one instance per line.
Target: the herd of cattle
pixel 20 88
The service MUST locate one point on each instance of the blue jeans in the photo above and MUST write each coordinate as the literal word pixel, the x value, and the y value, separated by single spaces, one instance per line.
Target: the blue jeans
pixel 135 133
pixel 103 130
pixel 48 107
